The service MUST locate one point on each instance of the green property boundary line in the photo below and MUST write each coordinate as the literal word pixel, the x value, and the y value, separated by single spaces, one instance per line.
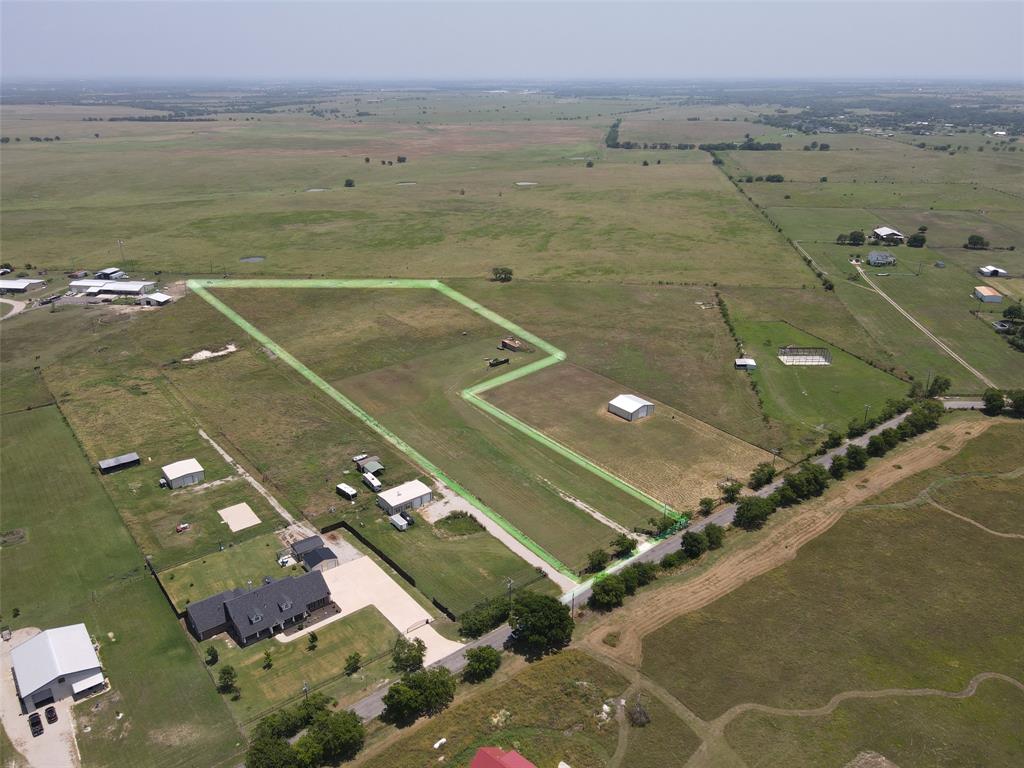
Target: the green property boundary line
pixel 470 394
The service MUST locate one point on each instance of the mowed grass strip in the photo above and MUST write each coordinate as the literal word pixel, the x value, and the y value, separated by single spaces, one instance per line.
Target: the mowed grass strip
pixel 550 712
pixel 925 732
pixel 900 597
pixel 812 399
pixel 94 574
pixel 365 632
pixel 669 455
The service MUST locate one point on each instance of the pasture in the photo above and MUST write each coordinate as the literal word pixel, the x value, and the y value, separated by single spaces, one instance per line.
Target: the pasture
pixel 859 609
pixel 670 455
pixel 94 574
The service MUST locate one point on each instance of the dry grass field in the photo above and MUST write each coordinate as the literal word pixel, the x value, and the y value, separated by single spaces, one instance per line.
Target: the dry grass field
pixel 670 455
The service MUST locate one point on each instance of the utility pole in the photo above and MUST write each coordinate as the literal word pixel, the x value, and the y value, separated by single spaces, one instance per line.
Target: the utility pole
pixel 867 407
pixel 509 582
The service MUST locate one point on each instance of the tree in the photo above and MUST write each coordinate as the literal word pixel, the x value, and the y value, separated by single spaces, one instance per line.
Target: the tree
pixel 916 240
pixel 876 446
pixel 483 617
pixel 270 752
pixel 707 505
pixel 694 544
pixel 993 400
pixel 636 575
pixel 350 183
pixel 352 663
pixel 1016 401
pixel 540 623
pixel 331 738
pixel 597 560
pixel 939 386
pixel 856 457
pixel 637 714
pixel 436 686
pixel 608 593
pixel 407 655
pixel 715 534
pixel 922 228
pixel 212 656
pixel 763 474
pixel 227 680
pixel 590 163
pixel 976 242
pixel 752 512
pixel 311 641
pixel 481 663
pixel 402 704
pixel 731 491
pixel 842 238
pixel 502 274
pixel 834 440
pixel 623 545
pixel 838 467
pixel 856 238
pixel 1012 312
pixel 268 660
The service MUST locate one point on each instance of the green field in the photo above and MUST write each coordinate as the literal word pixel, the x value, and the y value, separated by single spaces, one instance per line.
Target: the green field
pixel 366 632
pixel 859 609
pixel 93 573
pixel 813 399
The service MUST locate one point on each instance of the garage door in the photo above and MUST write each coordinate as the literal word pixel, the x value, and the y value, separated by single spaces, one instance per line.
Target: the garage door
pixel 43 698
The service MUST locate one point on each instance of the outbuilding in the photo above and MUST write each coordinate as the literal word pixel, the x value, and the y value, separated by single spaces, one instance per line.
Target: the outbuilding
pixel 888 233
pixel 154 299
pixel 371 464
pixel 116 287
pixel 119 462
pixel 19 285
pixel 745 364
pixel 988 295
pixel 55 664
pixel 398 521
pixel 346 491
pixel 302 546
pixel 110 273
pixel 410 495
pixel 319 559
pixel 990 271
pixel 630 407
pixel 881 258
pixel 183 473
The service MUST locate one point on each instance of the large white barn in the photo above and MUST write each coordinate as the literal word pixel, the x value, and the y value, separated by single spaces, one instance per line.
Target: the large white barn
pixel 55 664
pixel 630 407
pixel 182 473
pixel 410 495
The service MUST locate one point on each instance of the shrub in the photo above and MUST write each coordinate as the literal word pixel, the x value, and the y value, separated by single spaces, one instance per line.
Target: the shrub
pixel 694 544
pixel 715 534
pixel 597 560
pixel 763 474
pixel 483 617
pixel 481 663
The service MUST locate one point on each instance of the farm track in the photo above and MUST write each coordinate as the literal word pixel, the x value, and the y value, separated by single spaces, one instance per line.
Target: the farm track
pixel 652 609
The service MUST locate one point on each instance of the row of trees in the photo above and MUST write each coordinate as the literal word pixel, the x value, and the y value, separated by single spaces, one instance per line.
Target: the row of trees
pixel 327 737
pixel 749 145
pixel 996 401
pixel 621 546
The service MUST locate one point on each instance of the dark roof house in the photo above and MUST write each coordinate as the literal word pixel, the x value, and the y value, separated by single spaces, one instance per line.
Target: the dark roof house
pixel 319 559
pixel 207 618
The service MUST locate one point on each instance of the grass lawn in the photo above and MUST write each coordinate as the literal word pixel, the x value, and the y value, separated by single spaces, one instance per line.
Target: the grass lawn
pixel 665 742
pixel 228 569
pixel 828 621
pixel 366 632
pixel 670 455
pixel 549 712
pixel 94 574
pixel 812 399
pixel 458 569
pixel 911 732
pixel 993 502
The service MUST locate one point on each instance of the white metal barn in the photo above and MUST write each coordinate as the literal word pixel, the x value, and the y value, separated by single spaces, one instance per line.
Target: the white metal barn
pixel 630 407
pixel 991 271
pixel 182 473
pixel 887 233
pixel 20 285
pixel 745 364
pixel 55 664
pixel 410 495
pixel 988 295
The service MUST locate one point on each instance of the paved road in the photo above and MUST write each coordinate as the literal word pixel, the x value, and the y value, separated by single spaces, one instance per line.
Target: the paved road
pixel 939 342
pixel 371 706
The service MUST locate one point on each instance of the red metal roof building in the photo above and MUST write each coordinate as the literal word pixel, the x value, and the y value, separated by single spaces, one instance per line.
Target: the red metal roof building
pixel 495 757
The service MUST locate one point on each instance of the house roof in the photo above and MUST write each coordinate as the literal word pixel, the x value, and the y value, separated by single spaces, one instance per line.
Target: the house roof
pixel 366 460
pixel 629 403
pixel 984 290
pixel 181 468
pixel 117 461
pixel 314 557
pixel 302 546
pixel 52 654
pixel 275 603
pixel 404 492
pixel 495 757
pixel 157 296
pixel 209 613
pixel 886 231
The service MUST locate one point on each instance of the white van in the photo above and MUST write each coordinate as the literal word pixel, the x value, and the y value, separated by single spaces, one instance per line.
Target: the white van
pixel 372 482
pixel 347 491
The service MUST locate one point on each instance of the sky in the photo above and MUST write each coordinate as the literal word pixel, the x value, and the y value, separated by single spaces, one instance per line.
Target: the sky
pixel 512 40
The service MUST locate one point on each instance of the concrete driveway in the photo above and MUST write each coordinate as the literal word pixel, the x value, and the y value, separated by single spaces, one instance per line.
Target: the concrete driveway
pixel 57 747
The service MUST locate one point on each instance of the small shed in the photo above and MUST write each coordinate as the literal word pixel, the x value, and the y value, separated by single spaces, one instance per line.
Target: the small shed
pixel 302 546
pixel 512 344
pixel 745 364
pixel 364 464
pixel 410 495
pixel 398 521
pixel 630 407
pixel 154 299
pixel 110 273
pixel 988 295
pixel 319 559
pixel 183 473
pixel 119 462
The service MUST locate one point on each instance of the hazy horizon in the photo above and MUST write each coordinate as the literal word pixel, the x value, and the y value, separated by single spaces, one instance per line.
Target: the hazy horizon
pixel 446 42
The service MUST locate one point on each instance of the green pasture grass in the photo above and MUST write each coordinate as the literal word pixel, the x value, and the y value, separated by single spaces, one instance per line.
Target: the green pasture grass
pixel 671 124
pixel 665 742
pixel 993 502
pixel 828 621
pixel 672 456
pixel 547 713
pixel 926 732
pixel 230 568
pixel 365 632
pixel 458 569
pixel 654 339
pixel 908 199
pixel 812 400
pixel 51 492
pixel 458 525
